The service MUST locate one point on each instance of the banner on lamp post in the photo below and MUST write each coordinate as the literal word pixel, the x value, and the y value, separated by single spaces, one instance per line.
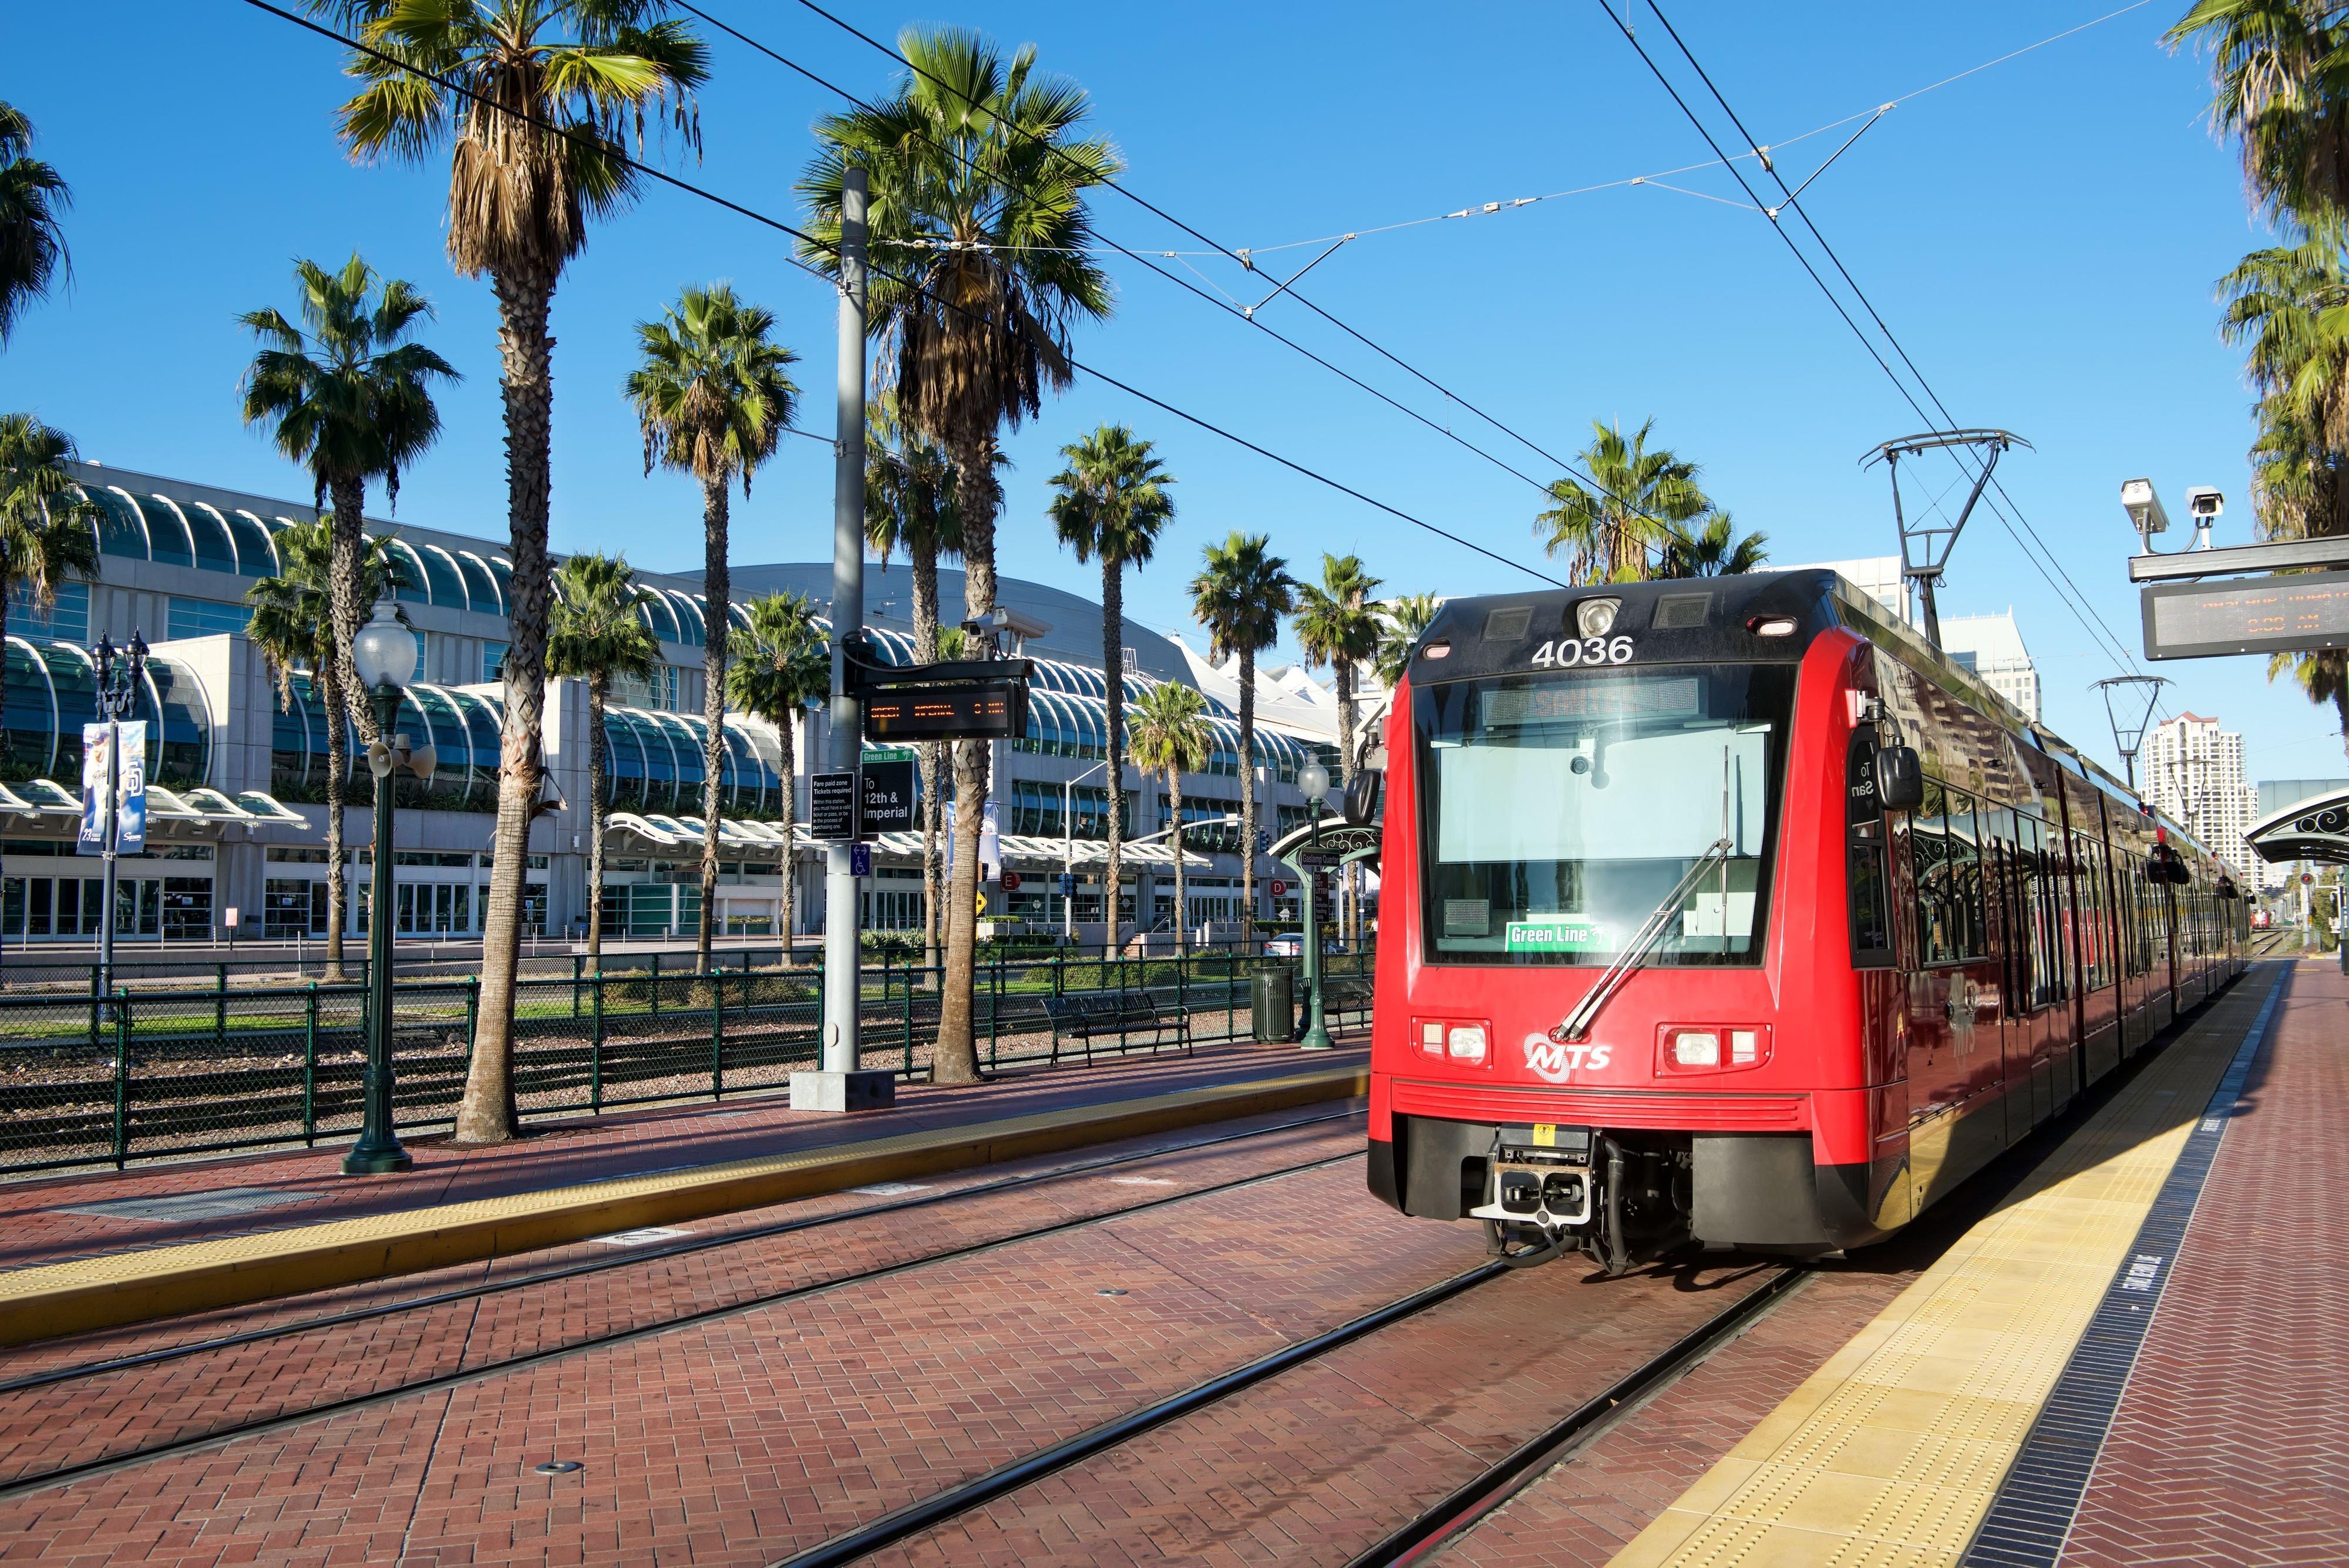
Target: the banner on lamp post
pixel 128 827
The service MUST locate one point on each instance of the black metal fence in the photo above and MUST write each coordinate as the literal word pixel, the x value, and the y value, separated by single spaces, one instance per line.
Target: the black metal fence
pixel 155 1074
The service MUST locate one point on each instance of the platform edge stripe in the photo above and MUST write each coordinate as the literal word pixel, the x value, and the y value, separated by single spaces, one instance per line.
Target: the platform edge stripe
pixel 47 1300
pixel 2109 1171
pixel 2061 1459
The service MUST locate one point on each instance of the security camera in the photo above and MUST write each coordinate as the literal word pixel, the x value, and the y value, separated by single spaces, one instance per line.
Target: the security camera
pixel 2205 504
pixel 2144 507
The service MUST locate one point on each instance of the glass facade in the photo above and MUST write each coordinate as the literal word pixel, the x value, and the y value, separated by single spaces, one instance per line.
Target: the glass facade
pixel 51 692
pixel 66 620
pixel 200 618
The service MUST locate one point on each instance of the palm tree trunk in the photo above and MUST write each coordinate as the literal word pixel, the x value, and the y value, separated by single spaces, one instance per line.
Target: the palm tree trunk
pixel 487 1113
pixel 344 536
pixel 1113 706
pixel 956 1057
pixel 599 687
pixel 1247 793
pixel 714 586
pixel 932 755
pixel 1182 885
pixel 331 697
pixel 788 744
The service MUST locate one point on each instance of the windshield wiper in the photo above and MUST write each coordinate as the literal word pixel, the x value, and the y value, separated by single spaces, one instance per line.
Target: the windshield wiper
pixel 1651 931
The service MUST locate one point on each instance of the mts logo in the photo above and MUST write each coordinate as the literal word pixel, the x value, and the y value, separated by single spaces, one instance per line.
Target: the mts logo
pixel 1556 1061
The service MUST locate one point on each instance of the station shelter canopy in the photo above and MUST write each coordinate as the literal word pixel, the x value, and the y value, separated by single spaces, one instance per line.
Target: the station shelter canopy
pixel 2316 829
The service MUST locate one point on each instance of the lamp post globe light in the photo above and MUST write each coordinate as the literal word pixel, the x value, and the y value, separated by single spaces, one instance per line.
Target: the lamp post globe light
pixel 384 657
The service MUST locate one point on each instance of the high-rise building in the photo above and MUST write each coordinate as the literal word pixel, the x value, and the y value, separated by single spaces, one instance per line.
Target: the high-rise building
pixel 2194 771
pixel 1990 646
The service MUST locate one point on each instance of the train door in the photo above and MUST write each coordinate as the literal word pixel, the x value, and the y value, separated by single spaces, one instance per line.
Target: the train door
pixel 2009 908
pixel 1952 1058
pixel 1876 966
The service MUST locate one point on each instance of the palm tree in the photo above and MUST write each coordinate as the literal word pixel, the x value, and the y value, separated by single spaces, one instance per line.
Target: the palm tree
pixel 1111 502
pixel 1712 550
pixel 293 625
pixel 1170 739
pixel 1240 597
pixel 351 400
pixel 910 504
pixel 47 527
pixel 569 80
pixel 2279 69
pixel 714 396
pixel 32 196
pixel 1406 620
pixel 1336 626
pixel 979 169
pixel 787 667
pixel 1640 496
pixel 597 634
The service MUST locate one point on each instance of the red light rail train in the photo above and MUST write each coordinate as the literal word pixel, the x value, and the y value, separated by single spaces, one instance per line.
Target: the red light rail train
pixel 1728 910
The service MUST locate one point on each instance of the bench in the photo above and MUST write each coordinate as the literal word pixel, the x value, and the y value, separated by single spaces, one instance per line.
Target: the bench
pixel 1089 1015
pixel 1345 993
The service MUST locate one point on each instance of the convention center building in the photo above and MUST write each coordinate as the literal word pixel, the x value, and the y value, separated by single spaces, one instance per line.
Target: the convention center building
pixel 238 774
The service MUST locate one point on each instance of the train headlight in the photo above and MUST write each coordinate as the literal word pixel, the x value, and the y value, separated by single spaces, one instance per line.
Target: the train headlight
pixel 1711 1047
pixel 1466 1042
pixel 1595 617
pixel 1696 1048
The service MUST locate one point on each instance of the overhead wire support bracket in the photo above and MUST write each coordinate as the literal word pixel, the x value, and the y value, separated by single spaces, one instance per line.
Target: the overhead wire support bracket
pixel 1247 260
pixel 1924 547
pixel 1764 154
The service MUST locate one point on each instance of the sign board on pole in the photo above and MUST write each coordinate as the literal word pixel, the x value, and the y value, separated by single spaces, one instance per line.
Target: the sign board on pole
pixel 832 806
pixel 1068 885
pixel 888 804
pixel 1011 881
pixel 2302 611
pixel 231 916
pixel 128 827
pixel 990 846
pixel 994 710
pixel 860 860
pixel 1280 889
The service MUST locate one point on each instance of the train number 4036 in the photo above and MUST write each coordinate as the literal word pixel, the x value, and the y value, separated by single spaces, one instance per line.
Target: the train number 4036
pixel 1568 651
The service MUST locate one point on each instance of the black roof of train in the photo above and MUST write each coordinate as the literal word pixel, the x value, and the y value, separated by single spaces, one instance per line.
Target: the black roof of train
pixel 1707 618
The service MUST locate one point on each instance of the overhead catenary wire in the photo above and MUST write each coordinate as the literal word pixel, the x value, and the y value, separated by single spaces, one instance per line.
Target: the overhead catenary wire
pixel 2126 660
pixel 2074 600
pixel 768 221
pixel 1298 295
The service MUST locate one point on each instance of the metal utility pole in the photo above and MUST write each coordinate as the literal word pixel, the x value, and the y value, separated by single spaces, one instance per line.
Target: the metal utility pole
pixel 840 1085
pixel 2128 735
pixel 1925 547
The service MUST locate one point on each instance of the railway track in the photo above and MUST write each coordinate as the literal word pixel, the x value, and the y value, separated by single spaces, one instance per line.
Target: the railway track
pixel 1454 1512
pixel 85 1372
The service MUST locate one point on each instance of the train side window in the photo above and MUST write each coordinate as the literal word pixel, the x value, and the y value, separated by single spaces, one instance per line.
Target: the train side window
pixel 1864 836
pixel 1930 863
pixel 1963 824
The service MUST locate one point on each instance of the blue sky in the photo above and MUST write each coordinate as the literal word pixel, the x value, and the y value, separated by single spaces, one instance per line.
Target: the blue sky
pixel 2042 236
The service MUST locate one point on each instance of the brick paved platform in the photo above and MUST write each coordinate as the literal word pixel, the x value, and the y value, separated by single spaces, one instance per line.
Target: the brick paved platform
pixel 2231 1444
pixel 86 1251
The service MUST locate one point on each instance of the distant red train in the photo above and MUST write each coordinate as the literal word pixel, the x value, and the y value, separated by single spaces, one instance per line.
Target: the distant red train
pixel 1728 910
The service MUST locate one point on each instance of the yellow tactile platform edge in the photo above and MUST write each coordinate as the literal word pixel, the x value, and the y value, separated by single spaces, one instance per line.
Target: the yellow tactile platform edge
pixel 1892 1451
pixel 54 1299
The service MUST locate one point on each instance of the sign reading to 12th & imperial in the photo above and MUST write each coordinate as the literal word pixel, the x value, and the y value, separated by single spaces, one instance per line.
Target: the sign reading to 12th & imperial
pixel 2286 613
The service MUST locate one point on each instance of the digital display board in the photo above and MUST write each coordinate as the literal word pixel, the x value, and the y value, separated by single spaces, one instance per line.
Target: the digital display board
pixel 978 710
pixel 2280 614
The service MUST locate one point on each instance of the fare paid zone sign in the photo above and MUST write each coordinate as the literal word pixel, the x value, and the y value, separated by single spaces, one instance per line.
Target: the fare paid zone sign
pixel 876 797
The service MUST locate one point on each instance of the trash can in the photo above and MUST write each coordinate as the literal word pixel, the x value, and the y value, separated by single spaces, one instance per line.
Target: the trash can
pixel 1272 999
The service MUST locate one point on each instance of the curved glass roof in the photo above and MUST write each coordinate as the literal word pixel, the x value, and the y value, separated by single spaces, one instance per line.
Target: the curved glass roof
pixel 52 691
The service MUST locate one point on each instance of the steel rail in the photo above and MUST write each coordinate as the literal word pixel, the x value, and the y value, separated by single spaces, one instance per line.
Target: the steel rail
pixel 67 1475
pixel 621 1261
pixel 924 1513
pixel 1459 1512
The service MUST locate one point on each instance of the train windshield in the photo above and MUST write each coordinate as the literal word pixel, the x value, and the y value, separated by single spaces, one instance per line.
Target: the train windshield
pixel 1558 813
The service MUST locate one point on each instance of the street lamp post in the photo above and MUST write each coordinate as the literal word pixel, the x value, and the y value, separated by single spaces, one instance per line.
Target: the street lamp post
pixel 1314 779
pixel 120 676
pixel 384 655
pixel 1069 851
